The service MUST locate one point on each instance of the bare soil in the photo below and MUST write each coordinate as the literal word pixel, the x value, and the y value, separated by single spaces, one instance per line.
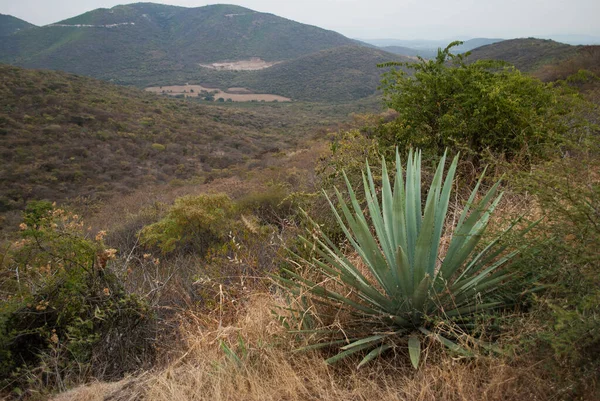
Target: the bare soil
pixel 252 64
pixel 235 94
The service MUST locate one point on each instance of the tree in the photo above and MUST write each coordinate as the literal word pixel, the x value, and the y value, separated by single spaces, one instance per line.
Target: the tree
pixel 481 108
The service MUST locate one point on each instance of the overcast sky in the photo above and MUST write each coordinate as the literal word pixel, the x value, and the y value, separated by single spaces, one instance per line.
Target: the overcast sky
pixel 370 19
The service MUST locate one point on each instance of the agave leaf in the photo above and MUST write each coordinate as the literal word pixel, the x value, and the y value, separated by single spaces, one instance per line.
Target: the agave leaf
pixel 374 354
pixel 441 213
pixel 325 293
pixel 462 242
pixel 426 251
pixel 414 350
pixel 412 209
pixel 387 204
pixel 347 353
pixel 377 219
pixel 368 340
pixel 404 273
pixel 399 217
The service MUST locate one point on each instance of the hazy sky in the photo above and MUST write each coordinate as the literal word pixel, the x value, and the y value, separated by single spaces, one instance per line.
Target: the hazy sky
pixel 369 19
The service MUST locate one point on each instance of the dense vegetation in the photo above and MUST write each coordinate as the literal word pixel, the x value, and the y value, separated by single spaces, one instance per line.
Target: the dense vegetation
pixel 64 136
pixel 482 109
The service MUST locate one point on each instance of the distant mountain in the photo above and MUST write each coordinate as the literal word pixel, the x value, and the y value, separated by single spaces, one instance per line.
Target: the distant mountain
pixel 105 43
pixel 410 43
pixel 10 25
pixel 428 48
pixel 410 52
pixel 526 54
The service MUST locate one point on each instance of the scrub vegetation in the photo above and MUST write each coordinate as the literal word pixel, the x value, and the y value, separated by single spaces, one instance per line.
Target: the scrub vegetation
pixel 443 249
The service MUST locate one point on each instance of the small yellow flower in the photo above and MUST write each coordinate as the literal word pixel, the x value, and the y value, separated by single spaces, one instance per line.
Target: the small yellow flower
pixel 106 291
pixel 100 235
pixel 147 255
pixel 54 337
pixel 23 226
pixel 110 253
pixel 156 261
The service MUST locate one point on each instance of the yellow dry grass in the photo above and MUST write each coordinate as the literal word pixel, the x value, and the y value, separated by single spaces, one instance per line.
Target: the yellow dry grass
pixel 270 371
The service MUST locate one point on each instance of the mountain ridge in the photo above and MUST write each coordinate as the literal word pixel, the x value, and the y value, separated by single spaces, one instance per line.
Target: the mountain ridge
pixel 10 24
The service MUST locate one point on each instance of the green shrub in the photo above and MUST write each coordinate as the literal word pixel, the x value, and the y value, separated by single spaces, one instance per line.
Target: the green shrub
pixel 192 224
pixel 67 316
pixel 480 109
pixel 568 192
pixel 158 147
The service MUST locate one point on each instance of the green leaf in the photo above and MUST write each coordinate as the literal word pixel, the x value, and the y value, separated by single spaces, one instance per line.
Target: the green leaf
pixel 374 354
pixel 414 350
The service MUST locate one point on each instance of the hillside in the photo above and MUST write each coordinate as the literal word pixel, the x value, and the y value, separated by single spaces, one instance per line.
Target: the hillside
pixel 154 40
pixel 339 74
pixel 10 25
pixel 64 136
pixel 525 54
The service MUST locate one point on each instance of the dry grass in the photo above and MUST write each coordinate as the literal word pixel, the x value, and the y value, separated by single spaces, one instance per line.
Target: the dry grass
pixel 270 371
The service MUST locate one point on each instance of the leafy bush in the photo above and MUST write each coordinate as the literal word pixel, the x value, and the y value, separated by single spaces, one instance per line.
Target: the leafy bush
pixel 478 109
pixel 398 286
pixel 568 191
pixel 67 315
pixel 192 224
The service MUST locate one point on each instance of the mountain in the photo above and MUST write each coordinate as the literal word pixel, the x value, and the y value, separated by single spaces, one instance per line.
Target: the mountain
pixel 10 25
pixel 526 54
pixel 157 40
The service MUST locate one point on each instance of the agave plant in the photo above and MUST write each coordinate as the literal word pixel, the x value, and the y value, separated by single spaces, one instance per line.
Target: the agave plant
pixel 403 280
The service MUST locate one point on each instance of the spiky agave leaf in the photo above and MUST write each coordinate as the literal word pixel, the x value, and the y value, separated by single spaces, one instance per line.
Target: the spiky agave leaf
pixel 399 243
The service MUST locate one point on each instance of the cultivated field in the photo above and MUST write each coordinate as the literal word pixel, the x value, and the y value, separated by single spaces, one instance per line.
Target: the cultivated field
pixel 235 94
pixel 252 64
